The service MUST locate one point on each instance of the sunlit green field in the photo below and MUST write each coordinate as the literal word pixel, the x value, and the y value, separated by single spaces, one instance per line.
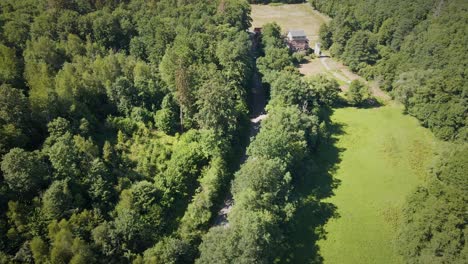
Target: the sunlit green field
pixel 292 16
pixel 384 156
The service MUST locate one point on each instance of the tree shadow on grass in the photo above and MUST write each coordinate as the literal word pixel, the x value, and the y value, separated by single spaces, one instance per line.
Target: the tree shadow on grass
pixel 369 103
pixel 316 183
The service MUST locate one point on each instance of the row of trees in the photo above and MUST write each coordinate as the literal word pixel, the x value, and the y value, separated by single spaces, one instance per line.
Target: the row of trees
pixel 118 122
pixel 264 202
pixel 415 49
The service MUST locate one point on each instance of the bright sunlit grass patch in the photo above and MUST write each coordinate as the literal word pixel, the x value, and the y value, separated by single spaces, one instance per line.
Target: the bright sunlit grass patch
pixel 291 16
pixel 385 154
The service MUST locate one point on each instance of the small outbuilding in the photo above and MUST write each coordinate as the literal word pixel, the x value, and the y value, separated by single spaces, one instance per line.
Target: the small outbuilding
pixel 317 50
pixel 297 40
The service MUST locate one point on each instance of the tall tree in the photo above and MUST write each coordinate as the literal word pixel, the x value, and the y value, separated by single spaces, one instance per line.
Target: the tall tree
pixel 24 172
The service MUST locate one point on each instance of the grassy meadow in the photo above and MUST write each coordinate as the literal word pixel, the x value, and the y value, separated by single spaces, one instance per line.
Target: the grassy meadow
pixel 293 16
pixel 384 156
pixel 351 205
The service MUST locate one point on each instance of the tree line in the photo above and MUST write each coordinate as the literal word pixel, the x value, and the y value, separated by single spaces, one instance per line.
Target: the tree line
pixel 415 49
pixel 120 122
pixel 263 188
pixel 433 228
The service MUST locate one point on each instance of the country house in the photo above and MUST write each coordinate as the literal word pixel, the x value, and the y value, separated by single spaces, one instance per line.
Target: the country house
pixel 297 40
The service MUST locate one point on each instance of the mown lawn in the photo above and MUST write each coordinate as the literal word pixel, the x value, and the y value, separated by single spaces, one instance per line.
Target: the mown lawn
pixel 384 156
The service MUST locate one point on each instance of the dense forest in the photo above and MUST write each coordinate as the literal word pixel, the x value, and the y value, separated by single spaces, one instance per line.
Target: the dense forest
pixel 120 122
pixel 279 157
pixel 123 123
pixel 415 49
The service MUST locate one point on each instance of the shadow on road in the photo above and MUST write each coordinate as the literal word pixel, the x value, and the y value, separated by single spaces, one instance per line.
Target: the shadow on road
pixel 317 183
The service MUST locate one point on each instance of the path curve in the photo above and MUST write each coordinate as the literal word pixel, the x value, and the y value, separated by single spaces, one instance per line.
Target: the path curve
pixel 342 73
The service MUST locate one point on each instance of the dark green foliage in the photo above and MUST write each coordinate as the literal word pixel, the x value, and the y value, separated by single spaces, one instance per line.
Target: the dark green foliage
pixel 217 104
pixel 14 117
pixel 361 50
pixel 166 120
pixel 127 114
pixel 446 108
pixel 14 107
pixel 271 36
pixel 434 220
pixel 261 183
pixel 357 93
pixel 275 59
pixel 324 90
pixel 235 13
pixel 325 36
pixel 101 192
pixel 282 136
pixel 122 94
pixel 183 169
pixel 288 88
pixel 198 215
pixel 262 188
pixel 168 250
pixel 415 48
pixel 57 200
pixel 24 172
pixel 9 64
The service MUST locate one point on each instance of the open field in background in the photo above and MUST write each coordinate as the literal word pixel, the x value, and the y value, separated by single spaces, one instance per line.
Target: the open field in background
pixel 303 16
pixel 293 16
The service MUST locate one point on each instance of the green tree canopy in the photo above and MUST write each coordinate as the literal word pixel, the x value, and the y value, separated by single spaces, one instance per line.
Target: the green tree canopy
pixel 24 172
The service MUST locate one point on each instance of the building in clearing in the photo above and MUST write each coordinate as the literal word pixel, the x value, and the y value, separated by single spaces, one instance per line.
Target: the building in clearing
pixel 297 40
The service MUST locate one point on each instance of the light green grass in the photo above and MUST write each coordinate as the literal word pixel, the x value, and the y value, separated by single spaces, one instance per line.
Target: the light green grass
pixel 384 156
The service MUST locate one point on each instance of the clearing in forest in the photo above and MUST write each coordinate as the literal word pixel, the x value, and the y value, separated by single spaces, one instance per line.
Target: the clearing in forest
pixel 303 16
pixel 292 16
pixel 374 160
pixel 383 157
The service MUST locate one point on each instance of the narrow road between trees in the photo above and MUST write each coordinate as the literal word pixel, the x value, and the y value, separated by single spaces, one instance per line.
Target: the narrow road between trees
pixel 257 114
